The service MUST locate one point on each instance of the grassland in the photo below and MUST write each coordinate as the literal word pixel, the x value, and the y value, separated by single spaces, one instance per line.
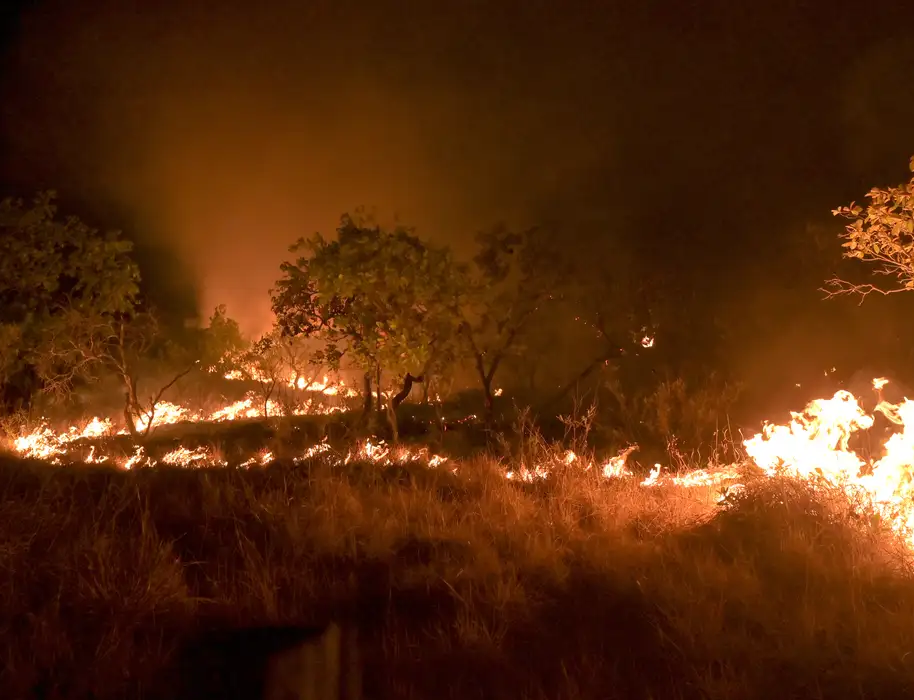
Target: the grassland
pixel 463 585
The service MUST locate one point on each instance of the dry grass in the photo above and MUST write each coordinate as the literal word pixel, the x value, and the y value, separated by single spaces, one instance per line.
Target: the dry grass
pixel 463 586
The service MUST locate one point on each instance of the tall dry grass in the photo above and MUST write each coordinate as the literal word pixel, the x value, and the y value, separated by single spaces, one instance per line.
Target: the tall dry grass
pixel 463 585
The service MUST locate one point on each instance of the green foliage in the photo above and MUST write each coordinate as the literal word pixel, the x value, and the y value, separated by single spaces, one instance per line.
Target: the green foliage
pixel 383 300
pixel 882 233
pixel 221 340
pixel 60 281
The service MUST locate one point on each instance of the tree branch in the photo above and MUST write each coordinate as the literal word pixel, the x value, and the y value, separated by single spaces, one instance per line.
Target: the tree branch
pixel 840 287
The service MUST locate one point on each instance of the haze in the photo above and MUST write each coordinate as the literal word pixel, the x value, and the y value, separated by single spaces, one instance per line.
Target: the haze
pixel 707 137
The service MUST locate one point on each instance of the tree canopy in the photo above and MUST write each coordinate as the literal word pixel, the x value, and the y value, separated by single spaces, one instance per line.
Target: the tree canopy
pixel 882 234
pixel 56 275
pixel 384 301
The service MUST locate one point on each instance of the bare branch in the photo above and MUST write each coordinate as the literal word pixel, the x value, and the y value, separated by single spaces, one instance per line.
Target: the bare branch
pixel 840 287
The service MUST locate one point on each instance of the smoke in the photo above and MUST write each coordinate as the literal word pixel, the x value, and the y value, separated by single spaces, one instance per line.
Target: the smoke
pixel 228 133
pixel 224 131
pixel 877 109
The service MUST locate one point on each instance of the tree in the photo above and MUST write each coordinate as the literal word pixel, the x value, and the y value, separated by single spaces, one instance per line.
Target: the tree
pixel 222 341
pixel 383 301
pixel 881 234
pixel 515 275
pixel 615 299
pixel 139 347
pixel 263 363
pixel 297 359
pixel 55 275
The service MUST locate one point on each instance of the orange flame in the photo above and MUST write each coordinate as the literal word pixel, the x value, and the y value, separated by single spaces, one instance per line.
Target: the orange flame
pixel 814 446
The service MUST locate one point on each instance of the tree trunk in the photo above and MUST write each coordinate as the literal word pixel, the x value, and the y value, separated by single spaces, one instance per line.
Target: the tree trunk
pixel 490 400
pixel 380 406
pixel 403 394
pixel 486 377
pixel 392 421
pixel 399 398
pixel 266 391
pixel 131 406
pixel 128 419
pixel 366 399
pixel 582 375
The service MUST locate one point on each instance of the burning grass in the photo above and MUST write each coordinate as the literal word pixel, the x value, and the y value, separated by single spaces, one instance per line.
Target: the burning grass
pixel 545 573
pixel 463 584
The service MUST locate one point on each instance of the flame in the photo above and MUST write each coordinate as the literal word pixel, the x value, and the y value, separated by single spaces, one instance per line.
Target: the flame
pixel 44 443
pixel 166 413
pixel 315 450
pixel 617 466
pixel 244 408
pixel 813 446
pixel 251 372
pixel 693 479
pixel 138 458
pixel 815 441
pixel 184 457
pixel 323 386
pixel 264 459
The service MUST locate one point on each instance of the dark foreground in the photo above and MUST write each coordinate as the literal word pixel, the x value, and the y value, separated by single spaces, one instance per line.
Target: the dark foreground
pixel 464 586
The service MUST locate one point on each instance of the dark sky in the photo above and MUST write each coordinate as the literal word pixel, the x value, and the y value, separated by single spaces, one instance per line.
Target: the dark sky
pixel 708 134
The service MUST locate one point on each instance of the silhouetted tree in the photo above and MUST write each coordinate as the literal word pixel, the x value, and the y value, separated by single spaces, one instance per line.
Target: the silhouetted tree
pixel 617 299
pixel 515 276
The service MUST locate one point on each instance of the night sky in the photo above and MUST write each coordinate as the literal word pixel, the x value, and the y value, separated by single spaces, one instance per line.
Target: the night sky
pixel 712 137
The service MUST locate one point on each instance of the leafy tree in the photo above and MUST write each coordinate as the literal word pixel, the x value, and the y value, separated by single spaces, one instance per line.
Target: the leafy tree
pixel 515 276
pixel 382 301
pixel 882 233
pixel 222 342
pixel 55 275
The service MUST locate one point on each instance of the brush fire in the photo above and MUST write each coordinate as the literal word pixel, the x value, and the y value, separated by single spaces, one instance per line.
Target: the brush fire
pixel 816 445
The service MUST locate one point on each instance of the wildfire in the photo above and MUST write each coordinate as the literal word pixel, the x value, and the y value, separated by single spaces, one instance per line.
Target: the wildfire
pixel 617 466
pixel 814 446
pixel 183 457
pixel 251 373
pixel 323 387
pixel 244 408
pixel 166 413
pixel 44 443
pixel 264 459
